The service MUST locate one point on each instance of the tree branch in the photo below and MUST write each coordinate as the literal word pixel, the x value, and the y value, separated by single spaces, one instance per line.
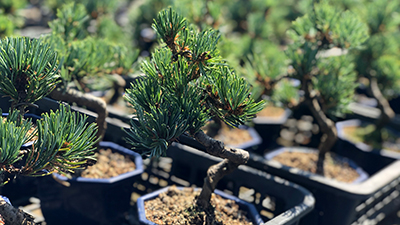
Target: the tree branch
pixel 386 111
pixel 116 90
pixel 14 216
pixel 232 159
pixel 214 174
pixel 328 129
pixel 217 148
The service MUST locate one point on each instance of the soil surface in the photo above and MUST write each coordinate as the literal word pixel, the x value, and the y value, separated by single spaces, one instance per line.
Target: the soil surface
pixel 356 134
pixel 229 136
pixel 176 207
pixel 271 111
pixel 109 165
pixel 334 169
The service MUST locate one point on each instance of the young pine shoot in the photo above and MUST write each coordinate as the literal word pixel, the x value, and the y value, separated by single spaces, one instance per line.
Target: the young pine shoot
pixel 29 70
pixel 186 83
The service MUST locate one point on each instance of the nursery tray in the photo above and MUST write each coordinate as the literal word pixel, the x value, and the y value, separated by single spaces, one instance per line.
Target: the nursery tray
pixel 270 155
pixel 344 203
pixel 277 200
pixel 337 202
pixel 243 205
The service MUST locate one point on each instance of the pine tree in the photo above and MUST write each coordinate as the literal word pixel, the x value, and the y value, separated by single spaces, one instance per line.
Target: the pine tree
pixel 379 61
pixel 327 81
pixel 29 70
pixel 187 83
pixel 87 57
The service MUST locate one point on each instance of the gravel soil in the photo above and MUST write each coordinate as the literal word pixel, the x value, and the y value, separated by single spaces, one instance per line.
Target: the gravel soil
pixel 176 207
pixel 109 165
pixel 334 169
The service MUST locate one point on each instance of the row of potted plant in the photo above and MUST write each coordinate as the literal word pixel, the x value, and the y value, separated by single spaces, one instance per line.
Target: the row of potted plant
pixel 218 94
pixel 27 74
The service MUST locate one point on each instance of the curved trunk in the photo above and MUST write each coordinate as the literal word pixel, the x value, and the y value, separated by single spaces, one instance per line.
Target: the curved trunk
pixel 14 216
pixel 232 159
pixel 386 111
pixel 97 104
pixel 117 89
pixel 328 129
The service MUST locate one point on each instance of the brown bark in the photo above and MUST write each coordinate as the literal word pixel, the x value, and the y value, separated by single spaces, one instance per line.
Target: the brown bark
pixel 116 90
pixel 83 99
pixel 387 113
pixel 13 216
pixel 232 159
pixel 328 129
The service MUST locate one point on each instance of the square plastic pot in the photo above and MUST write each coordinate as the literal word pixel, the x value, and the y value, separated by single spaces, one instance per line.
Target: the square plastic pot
pixel 344 203
pixel 277 200
pixel 254 142
pixel 243 205
pixel 344 140
pixel 89 201
pixel 270 155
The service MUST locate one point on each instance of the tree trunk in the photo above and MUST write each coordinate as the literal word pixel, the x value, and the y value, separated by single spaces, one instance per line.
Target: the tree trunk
pixel 387 113
pixel 328 129
pixel 13 216
pixel 232 159
pixel 117 89
pixel 97 104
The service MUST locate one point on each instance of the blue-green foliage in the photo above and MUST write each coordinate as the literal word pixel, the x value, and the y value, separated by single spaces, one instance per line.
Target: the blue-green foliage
pixel 332 78
pixel 186 83
pixel 12 137
pixel 335 83
pixel 28 69
pixel 381 55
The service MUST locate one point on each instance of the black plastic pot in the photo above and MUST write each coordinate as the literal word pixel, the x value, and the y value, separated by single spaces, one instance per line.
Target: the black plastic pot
pixel 344 140
pixel 89 201
pixel 268 128
pixel 342 203
pixel 370 114
pixel 243 205
pixel 362 174
pixel 254 142
pixel 277 200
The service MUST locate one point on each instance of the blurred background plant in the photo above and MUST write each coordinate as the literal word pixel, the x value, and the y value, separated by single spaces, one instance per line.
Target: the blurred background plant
pixel 92 60
pixel 253 36
pixel 378 64
pixel 9 17
pixel 327 78
pixel 29 70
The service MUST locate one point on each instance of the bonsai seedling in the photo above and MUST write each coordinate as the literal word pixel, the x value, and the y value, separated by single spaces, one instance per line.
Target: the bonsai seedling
pixel 378 63
pixel 186 83
pixel 327 81
pixel 86 57
pixel 29 70
pixel 267 70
